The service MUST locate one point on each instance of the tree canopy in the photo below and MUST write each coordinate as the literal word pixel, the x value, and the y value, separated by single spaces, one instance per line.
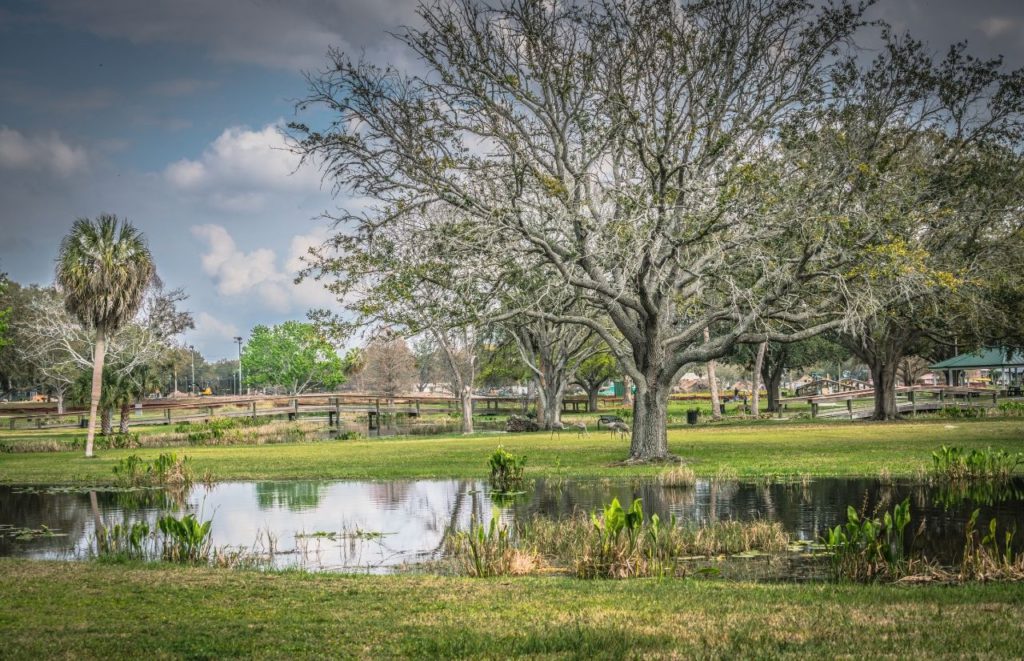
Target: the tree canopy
pixel 294 356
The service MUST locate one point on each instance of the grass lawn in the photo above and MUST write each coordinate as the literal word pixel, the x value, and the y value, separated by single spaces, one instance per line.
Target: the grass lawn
pixel 765 448
pixel 97 610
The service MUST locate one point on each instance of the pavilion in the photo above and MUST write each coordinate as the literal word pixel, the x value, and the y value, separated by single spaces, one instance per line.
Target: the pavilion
pixel 1009 361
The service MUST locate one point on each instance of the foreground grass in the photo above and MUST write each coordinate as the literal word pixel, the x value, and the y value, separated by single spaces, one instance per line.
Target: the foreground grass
pixel 95 610
pixel 764 449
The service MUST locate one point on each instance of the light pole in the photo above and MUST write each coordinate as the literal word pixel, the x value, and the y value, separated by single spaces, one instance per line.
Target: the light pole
pixel 239 340
pixel 192 353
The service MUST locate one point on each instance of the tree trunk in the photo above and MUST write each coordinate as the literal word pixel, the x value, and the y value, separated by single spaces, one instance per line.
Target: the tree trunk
pixel 60 402
pixel 774 384
pixel 125 413
pixel 884 377
pixel 755 395
pixel 716 408
pixel 650 412
pixel 592 395
pixel 538 403
pixel 466 399
pixel 627 391
pixel 106 420
pixel 99 352
pixel 550 392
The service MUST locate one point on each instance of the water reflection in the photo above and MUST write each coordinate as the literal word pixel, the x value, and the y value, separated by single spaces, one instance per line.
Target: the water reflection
pixel 376 526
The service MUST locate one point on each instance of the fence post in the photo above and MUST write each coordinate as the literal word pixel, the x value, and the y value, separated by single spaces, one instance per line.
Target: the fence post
pixel 167 416
pixel 337 412
pixel 814 409
pixel 252 407
pixel 849 407
pixel 913 404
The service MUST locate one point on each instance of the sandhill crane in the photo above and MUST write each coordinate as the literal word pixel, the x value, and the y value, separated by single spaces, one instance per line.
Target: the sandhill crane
pixel 620 428
pixel 559 427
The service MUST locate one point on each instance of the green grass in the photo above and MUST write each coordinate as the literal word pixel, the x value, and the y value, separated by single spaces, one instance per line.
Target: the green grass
pixel 753 450
pixel 97 610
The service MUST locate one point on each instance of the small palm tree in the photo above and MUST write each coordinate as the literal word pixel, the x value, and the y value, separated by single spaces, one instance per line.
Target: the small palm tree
pixel 103 270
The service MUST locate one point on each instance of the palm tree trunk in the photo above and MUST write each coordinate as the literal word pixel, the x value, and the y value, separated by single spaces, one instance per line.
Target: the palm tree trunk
pixel 126 412
pixel 99 352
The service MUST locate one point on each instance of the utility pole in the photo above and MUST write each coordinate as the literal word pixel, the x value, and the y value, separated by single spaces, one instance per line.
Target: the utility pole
pixel 239 341
pixel 192 353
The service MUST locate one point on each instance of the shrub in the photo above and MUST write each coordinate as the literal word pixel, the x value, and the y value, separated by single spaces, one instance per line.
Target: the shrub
pixel 1011 408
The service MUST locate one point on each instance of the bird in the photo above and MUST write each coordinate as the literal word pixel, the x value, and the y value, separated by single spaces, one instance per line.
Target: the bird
pixel 620 428
pixel 559 427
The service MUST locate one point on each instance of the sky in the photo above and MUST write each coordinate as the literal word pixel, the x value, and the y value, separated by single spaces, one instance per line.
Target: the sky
pixel 168 113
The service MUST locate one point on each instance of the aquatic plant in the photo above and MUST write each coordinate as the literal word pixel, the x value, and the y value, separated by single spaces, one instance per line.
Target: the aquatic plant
pixel 955 463
pixel 990 556
pixel 186 539
pixel 487 550
pixel 506 469
pixel 680 477
pixel 868 548
pixel 125 542
pixel 166 470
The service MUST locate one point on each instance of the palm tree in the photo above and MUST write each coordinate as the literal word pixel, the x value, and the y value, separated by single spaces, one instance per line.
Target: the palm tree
pixel 103 270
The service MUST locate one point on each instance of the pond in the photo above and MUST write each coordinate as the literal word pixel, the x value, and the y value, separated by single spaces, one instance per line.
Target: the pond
pixel 388 526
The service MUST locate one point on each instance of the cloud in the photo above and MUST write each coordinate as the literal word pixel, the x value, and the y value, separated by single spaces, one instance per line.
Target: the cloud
pixel 240 166
pixel 255 274
pixel 39 153
pixel 212 328
pixel 181 87
pixel 279 35
pixel 994 27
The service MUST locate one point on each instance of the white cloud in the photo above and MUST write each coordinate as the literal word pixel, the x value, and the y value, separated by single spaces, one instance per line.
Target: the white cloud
pixel 212 328
pixel 255 274
pixel 39 153
pixel 997 26
pixel 240 166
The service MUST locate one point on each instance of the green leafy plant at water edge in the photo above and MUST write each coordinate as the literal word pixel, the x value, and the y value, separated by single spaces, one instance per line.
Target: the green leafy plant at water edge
pixel 506 469
pixel 186 539
pixel 166 470
pixel 125 542
pixel 989 556
pixel 867 548
pixel 487 549
pixel 955 464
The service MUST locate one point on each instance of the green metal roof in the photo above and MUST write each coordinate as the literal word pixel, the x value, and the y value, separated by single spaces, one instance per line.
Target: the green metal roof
pixel 990 358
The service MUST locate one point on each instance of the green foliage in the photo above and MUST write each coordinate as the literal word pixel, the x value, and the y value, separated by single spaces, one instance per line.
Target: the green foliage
pixel 866 548
pixel 293 355
pixel 124 541
pixel 103 269
pixel 962 412
pixel 166 470
pixel 186 539
pixel 506 469
pixel 1011 408
pixel 5 313
pixel 487 548
pixel 989 556
pixel 955 464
